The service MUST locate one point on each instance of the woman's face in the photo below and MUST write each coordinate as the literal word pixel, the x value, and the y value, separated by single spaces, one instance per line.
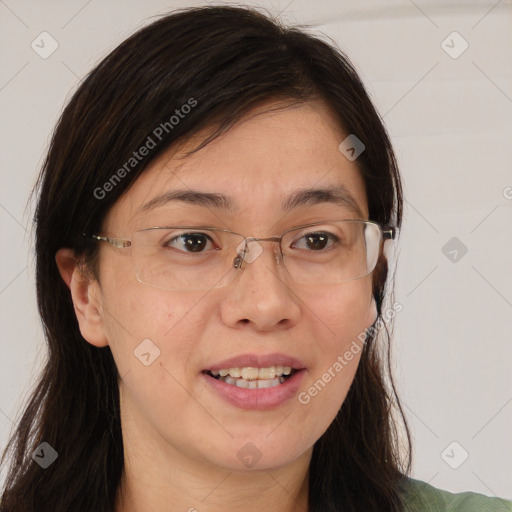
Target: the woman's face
pixel 170 404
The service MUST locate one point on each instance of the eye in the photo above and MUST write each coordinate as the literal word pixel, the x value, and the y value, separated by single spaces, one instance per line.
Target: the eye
pixel 189 242
pixel 316 241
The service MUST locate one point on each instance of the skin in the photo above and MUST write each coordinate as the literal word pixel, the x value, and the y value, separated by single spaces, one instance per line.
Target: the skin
pixel 180 438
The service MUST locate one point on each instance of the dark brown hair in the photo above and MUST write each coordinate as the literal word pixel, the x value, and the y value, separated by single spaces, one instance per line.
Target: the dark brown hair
pixel 228 60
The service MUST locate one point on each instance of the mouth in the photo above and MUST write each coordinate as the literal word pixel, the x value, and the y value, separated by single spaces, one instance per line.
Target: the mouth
pixel 250 377
pixel 255 381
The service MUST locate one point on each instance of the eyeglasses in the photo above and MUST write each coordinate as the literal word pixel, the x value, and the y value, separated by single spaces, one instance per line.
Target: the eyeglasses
pixel 193 258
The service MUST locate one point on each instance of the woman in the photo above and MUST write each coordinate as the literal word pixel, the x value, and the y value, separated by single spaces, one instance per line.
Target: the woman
pixel 211 272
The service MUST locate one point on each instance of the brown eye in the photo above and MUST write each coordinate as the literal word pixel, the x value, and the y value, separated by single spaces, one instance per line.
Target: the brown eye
pixel 189 242
pixel 316 241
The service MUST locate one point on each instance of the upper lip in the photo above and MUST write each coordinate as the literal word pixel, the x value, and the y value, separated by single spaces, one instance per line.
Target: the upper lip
pixel 257 361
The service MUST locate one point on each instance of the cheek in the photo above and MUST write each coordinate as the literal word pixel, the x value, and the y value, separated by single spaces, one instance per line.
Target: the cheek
pixel 339 318
pixel 139 319
pixel 339 314
pixel 153 335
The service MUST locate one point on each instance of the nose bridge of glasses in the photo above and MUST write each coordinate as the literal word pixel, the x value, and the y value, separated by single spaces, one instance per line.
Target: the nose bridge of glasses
pixel 249 249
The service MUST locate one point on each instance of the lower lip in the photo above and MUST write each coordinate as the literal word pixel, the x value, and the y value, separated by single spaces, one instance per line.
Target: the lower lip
pixel 256 399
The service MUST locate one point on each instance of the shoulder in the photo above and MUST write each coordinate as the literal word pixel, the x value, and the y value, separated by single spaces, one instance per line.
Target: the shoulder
pixel 419 496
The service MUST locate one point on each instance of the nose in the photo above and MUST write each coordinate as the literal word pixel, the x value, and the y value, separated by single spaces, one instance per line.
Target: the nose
pixel 260 296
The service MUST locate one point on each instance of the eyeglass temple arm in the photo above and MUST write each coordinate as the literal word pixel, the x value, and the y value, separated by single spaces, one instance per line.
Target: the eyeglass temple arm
pixel 389 233
pixel 119 243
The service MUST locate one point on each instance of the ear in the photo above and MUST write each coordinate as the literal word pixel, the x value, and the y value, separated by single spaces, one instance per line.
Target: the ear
pixel 85 293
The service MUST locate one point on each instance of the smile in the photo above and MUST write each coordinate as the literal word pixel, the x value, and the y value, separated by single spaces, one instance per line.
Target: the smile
pixel 255 381
pixel 249 377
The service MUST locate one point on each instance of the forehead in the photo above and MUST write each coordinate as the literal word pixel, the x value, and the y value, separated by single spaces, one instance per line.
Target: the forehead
pixel 257 169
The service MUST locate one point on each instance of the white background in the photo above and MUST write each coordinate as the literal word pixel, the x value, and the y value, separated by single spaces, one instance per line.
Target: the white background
pixel 450 120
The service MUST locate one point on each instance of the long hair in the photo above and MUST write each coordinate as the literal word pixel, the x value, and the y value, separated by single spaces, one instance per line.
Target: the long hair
pixel 222 62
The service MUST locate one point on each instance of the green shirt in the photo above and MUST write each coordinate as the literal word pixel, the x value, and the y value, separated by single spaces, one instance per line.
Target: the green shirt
pixel 422 497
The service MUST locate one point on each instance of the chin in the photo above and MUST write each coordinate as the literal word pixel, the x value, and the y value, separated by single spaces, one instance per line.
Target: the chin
pixel 259 453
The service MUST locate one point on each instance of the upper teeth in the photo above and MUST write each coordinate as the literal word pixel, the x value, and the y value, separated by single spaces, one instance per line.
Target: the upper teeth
pixel 250 373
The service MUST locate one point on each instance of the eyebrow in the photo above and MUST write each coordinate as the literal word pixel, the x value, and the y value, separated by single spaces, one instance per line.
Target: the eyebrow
pixel 303 197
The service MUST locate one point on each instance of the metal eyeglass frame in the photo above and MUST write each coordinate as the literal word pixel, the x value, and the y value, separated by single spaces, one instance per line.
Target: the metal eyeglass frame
pixel 387 233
